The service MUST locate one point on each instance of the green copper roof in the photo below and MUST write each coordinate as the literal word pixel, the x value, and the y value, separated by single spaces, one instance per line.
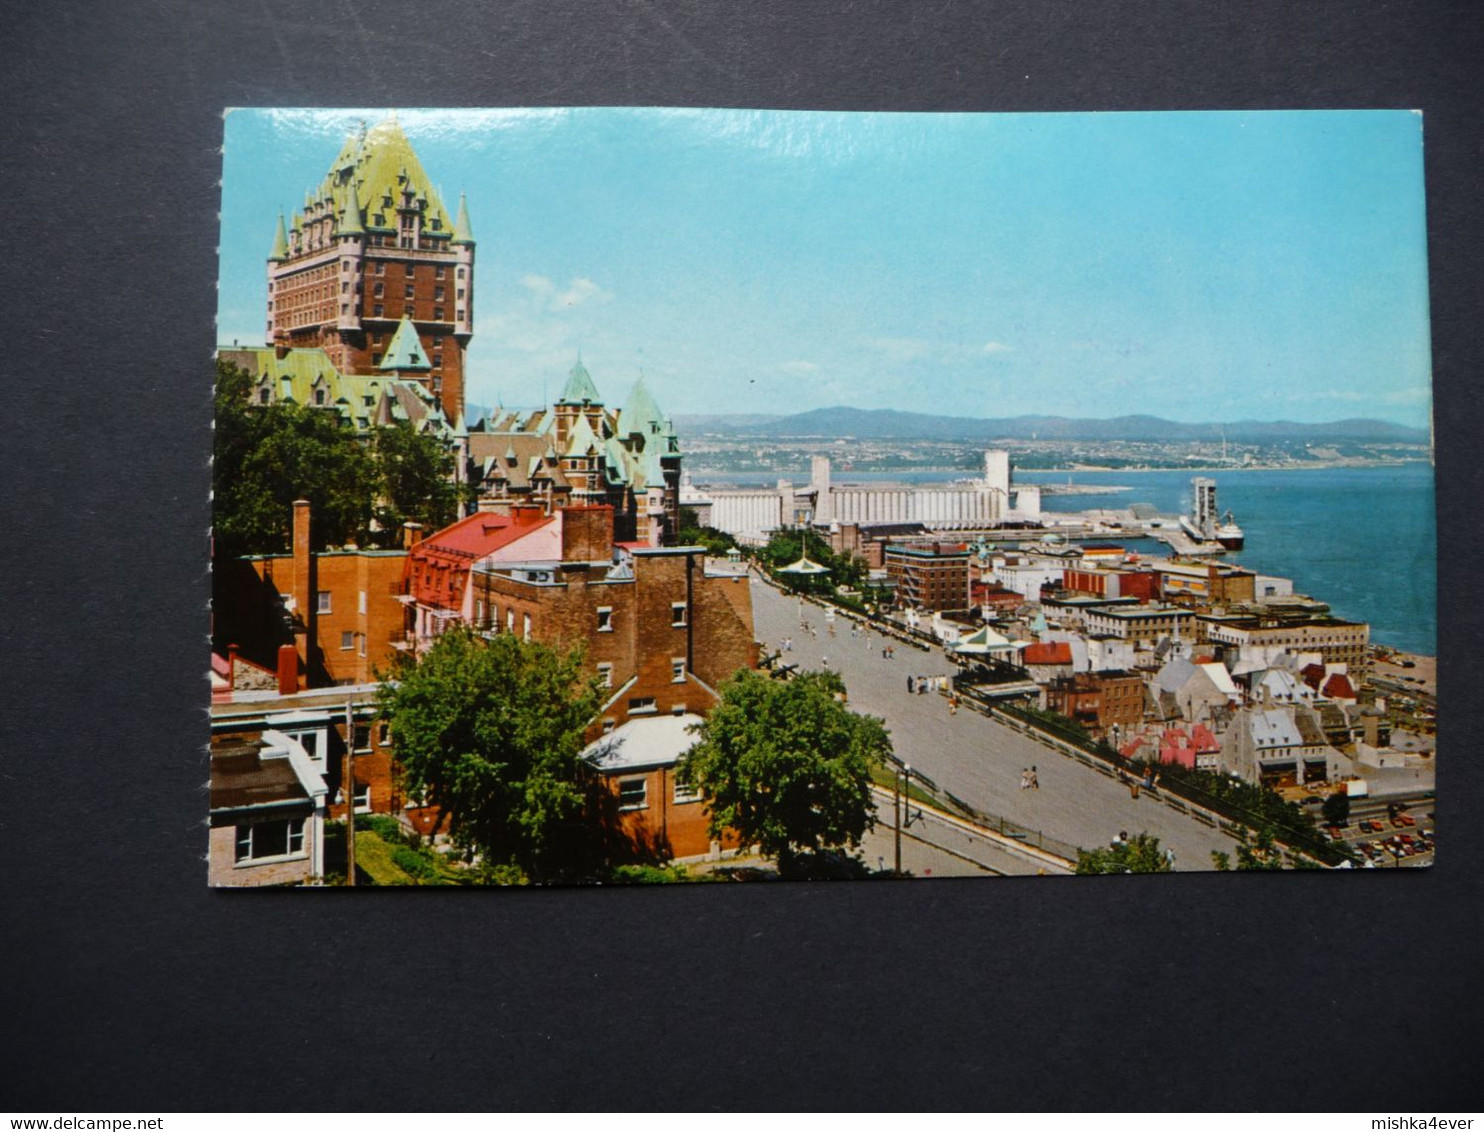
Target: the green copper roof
pixel 579 387
pixel 372 166
pixel 348 220
pixel 280 250
pixel 583 440
pixel 405 351
pixel 640 413
pixel 462 233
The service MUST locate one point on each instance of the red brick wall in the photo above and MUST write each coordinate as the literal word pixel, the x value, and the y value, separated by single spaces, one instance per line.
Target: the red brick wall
pixel 345 575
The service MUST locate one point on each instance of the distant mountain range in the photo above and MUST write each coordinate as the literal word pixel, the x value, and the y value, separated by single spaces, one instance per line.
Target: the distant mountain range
pixel 893 424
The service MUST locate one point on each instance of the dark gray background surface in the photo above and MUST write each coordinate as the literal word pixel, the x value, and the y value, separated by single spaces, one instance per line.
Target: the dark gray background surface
pixel 127 985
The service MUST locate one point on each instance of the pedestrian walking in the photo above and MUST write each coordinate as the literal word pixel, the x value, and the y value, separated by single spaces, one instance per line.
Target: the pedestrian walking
pixel 1025 778
pixel 1035 782
pixel 910 687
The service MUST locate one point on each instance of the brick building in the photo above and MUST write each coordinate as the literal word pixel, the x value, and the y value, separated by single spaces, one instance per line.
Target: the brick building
pixel 1209 583
pixel 1098 700
pixel 660 627
pixel 372 247
pixel 326 723
pixel 1105 581
pixel 267 820
pixel 930 576
pixel 338 609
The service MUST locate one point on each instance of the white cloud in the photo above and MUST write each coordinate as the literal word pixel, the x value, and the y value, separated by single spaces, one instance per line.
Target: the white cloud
pixel 538 284
pixel 798 367
pixel 995 348
pixel 580 291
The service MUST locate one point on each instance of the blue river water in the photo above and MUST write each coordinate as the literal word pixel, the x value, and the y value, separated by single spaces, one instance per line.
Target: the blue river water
pixel 1362 539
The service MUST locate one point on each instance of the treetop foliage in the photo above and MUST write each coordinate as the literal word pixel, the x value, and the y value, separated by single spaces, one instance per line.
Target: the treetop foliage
pixel 491 731
pixel 787 765
pixel 360 490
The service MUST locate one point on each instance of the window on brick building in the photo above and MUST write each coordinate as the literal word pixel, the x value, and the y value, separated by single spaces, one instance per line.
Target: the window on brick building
pixel 347 641
pixel 605 619
pixel 526 627
pixel 322 601
pixel 461 273
pixel 363 798
pixel 633 794
pixel 437 360
pixel 438 294
pixel 677 613
pixel 383 734
pixel 437 340
pixel 677 670
pixel 376 358
pixel 259 840
pixel 438 272
pixel 684 794
pixel 605 675
pixel 438 314
pixel 378 310
pixel 361 643
pixel 460 315
pixel 641 705
pixel 361 737
pixel 607 727
pixel 409 291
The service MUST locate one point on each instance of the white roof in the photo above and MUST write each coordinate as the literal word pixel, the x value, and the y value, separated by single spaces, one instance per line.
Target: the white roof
pixel 657 740
pixel 1274 728
pixel 1219 676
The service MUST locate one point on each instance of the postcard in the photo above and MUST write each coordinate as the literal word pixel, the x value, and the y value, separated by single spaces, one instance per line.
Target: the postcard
pixel 623 496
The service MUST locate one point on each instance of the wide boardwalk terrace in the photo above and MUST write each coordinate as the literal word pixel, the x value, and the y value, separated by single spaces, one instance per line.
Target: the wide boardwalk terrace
pixel 974 757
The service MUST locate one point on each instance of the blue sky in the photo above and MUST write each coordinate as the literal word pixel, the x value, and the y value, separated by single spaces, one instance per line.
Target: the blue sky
pixel 1196 266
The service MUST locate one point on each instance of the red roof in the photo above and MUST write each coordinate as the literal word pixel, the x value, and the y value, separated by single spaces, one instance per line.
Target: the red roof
pixel 1205 741
pixel 1053 652
pixel 439 565
pixel 1338 687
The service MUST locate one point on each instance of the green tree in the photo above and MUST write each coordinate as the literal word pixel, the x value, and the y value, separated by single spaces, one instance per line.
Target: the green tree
pixel 693 533
pixel 1139 854
pixel 787 765
pixel 490 731
pixel 267 456
pixel 1258 853
pixel 415 472
pixel 1336 808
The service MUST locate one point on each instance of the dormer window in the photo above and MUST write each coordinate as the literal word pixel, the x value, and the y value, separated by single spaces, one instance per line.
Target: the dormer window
pixel 263 396
pixel 319 396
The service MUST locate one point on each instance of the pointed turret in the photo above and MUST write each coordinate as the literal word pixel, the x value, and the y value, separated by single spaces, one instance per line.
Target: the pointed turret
pixel 462 233
pixel 405 352
pixel 280 250
pixel 640 413
pixel 579 388
pixel 349 221
pixel 583 441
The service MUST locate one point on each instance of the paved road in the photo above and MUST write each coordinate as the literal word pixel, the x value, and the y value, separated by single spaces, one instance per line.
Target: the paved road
pixel 974 757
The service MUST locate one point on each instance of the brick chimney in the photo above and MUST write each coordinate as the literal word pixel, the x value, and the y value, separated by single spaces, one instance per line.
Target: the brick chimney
pixel 587 534
pixel 288 670
pixel 412 534
pixel 304 586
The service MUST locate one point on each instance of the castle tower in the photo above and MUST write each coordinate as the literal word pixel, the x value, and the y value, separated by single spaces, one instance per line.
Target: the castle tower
pixel 372 246
pixel 579 399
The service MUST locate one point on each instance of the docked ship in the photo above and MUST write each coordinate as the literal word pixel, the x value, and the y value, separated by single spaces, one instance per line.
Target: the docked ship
pixel 1202 523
